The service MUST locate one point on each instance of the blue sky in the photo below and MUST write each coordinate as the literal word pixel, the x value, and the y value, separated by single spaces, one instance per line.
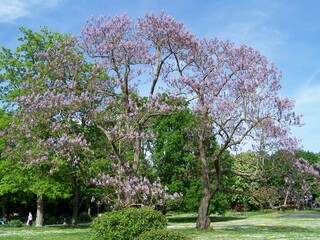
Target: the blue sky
pixel 287 32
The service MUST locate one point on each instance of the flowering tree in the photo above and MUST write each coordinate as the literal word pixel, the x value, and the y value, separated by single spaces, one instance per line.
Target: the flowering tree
pixel 140 53
pixel 233 91
pixel 22 86
pixel 50 124
pixel 235 97
pixel 294 177
pixel 300 182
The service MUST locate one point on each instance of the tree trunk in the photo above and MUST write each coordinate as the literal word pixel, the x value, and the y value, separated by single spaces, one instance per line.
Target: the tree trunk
pixel 136 159
pixel 89 211
pixel 75 204
pixel 39 216
pixel 203 220
pixel 286 198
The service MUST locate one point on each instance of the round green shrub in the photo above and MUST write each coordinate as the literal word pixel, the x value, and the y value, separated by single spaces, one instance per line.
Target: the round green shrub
pixel 126 224
pixel 162 234
pixel 15 223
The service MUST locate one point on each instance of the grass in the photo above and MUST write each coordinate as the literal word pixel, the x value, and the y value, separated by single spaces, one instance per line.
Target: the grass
pixel 45 233
pixel 257 225
pixel 266 225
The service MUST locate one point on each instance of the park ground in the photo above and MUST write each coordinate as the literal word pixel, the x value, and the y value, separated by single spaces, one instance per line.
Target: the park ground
pixel 252 225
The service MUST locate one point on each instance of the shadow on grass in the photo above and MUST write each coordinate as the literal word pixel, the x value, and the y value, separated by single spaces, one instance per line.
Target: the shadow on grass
pixel 301 215
pixel 82 226
pixel 194 219
pixel 266 228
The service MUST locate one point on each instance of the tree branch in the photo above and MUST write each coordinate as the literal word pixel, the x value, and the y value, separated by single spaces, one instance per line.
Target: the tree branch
pixel 244 175
pixel 228 190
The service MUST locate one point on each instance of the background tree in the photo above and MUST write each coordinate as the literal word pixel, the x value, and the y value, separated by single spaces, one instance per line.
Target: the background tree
pixel 172 156
pixel 17 178
pixel 295 179
pixel 48 128
pixel 314 160
pixel 246 162
pixel 16 64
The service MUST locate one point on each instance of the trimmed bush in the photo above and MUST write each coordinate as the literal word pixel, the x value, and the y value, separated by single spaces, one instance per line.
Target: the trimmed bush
pixel 15 223
pixel 162 234
pixel 127 224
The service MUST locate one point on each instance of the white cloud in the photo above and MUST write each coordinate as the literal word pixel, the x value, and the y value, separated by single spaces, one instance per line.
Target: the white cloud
pixel 11 10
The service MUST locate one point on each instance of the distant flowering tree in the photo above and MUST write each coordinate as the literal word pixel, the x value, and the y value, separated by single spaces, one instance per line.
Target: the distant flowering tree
pixel 300 182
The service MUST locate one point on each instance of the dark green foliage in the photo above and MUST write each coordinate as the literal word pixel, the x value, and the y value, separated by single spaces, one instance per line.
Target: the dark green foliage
pixel 162 234
pixel 220 203
pixel 51 220
pixel 175 157
pixel 192 196
pixel 126 224
pixel 15 223
pixel 173 150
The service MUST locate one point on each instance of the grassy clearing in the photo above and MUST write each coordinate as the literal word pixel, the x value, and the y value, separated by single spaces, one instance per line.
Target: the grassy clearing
pixel 258 225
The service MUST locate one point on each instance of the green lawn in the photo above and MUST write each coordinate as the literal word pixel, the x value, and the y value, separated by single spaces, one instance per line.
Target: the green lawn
pixel 45 233
pixel 233 226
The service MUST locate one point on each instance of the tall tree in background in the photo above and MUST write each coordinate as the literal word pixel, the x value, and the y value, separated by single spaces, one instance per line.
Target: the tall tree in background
pixel 16 65
pixel 172 151
pixel 174 157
